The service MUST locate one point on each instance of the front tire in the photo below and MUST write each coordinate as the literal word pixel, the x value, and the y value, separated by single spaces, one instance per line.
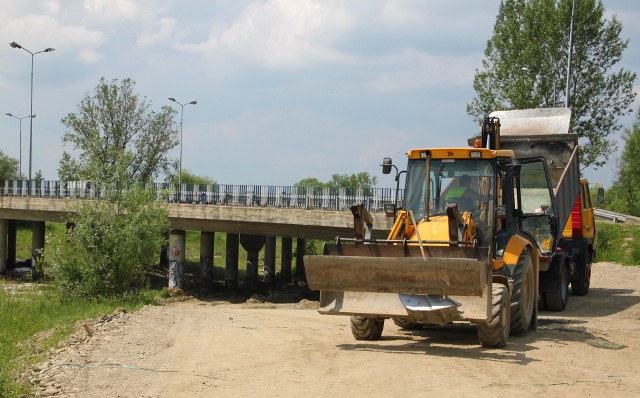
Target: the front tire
pixel 495 332
pixel 524 295
pixel 364 328
pixel 406 324
pixel 556 300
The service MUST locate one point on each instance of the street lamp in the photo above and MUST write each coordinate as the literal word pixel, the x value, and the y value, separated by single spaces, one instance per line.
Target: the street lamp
pixel 20 119
pixel 13 44
pixel 524 68
pixel 181 115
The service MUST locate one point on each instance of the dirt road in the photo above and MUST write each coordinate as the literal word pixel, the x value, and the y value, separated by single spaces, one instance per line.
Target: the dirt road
pixel 212 348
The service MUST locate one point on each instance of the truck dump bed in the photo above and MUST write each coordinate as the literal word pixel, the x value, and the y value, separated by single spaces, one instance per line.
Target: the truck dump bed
pixel 545 132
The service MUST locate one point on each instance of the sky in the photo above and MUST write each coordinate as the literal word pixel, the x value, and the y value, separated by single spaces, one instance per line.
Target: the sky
pixel 286 89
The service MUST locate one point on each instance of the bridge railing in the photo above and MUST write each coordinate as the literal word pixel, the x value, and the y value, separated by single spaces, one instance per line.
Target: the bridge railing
pixel 322 198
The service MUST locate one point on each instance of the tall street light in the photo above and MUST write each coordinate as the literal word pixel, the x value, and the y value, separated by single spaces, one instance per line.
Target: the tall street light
pixel 181 115
pixel 20 118
pixel 13 44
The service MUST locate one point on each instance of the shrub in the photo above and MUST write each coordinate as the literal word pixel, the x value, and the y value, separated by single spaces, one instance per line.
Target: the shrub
pixel 104 254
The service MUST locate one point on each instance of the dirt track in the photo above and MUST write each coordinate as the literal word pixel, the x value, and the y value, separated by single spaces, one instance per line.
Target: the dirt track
pixel 212 348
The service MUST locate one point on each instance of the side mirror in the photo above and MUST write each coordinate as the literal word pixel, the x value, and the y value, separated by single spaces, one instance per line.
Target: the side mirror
pixel 600 197
pixel 386 165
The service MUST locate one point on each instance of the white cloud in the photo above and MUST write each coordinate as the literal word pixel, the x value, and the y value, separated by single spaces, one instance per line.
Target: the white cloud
pixel 281 34
pixel 413 70
pixel 165 30
pixel 113 9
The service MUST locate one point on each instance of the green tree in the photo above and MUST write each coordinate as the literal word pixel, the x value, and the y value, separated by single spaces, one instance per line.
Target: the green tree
pixel 309 182
pixel 525 67
pixel 360 180
pixel 105 253
pixel 357 180
pixel 118 136
pixel 8 167
pixel 624 194
pixel 38 177
pixel 190 178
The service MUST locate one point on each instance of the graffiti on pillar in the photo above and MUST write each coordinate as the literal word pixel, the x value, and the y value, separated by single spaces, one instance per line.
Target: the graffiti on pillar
pixel 176 261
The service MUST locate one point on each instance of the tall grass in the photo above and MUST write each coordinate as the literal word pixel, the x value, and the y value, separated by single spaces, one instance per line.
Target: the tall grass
pixel 618 243
pixel 34 319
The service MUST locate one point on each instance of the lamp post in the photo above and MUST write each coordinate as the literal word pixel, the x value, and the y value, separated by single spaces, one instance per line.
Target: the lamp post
pixel 13 44
pixel 20 119
pixel 524 68
pixel 181 115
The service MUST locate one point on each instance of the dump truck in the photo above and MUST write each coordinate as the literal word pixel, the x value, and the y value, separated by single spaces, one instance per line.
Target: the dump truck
pixel 480 236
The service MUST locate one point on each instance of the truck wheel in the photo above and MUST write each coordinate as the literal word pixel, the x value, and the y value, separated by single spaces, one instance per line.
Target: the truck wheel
pixel 406 324
pixel 524 295
pixel 582 279
pixel 364 328
pixel 557 300
pixel 495 331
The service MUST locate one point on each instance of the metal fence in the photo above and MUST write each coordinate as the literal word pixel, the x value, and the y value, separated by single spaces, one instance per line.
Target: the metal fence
pixel 321 198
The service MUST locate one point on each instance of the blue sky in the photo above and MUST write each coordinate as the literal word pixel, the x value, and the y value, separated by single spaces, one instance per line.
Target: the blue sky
pixel 286 89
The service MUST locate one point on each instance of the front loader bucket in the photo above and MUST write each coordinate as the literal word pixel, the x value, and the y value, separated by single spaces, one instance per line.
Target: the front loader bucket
pixel 395 269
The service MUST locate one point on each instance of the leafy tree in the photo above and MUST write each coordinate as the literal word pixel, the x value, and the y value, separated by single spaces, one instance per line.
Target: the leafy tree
pixel 309 182
pixel 118 136
pixel 190 178
pixel 624 195
pixel 8 167
pixel 525 67
pixel 104 254
pixel 360 180
pixel 38 176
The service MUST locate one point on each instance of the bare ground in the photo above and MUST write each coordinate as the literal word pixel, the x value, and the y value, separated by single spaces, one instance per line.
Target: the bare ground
pixel 206 348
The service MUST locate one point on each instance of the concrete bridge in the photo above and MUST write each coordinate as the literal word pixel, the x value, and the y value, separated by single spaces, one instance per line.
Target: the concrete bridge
pixel 251 216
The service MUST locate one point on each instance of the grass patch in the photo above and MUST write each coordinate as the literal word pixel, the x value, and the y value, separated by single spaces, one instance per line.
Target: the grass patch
pixel 35 319
pixel 618 243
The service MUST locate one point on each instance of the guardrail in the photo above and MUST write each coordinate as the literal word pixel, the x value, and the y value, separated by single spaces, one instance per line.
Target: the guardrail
pixel 611 216
pixel 319 198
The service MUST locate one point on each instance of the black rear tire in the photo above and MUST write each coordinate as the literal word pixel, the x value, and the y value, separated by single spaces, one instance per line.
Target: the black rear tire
pixel 556 300
pixel 495 331
pixel 364 328
pixel 582 279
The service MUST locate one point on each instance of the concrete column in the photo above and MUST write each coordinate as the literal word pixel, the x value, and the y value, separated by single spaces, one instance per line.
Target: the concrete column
pixel 301 249
pixel 270 259
pixel 286 252
pixel 252 244
pixel 206 257
pixel 37 246
pixel 231 263
pixel 11 243
pixel 176 258
pixel 164 253
pixel 4 230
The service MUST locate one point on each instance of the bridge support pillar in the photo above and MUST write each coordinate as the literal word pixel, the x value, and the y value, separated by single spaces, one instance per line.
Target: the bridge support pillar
pixel 301 249
pixel 252 244
pixel 11 243
pixel 286 251
pixel 37 246
pixel 270 258
pixel 176 258
pixel 4 231
pixel 231 264
pixel 164 253
pixel 206 257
